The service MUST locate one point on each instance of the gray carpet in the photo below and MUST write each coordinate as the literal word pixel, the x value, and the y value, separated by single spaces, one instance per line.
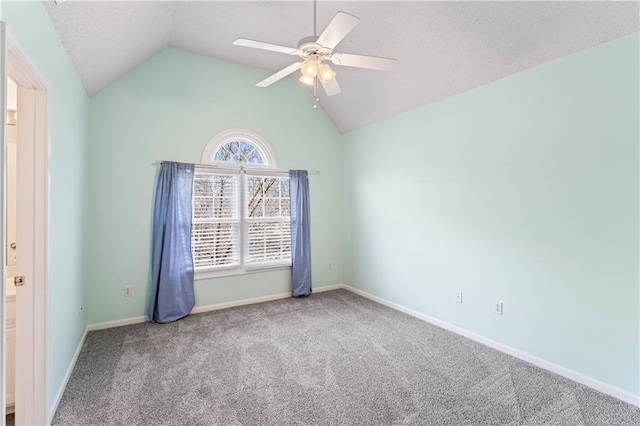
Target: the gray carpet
pixel 333 358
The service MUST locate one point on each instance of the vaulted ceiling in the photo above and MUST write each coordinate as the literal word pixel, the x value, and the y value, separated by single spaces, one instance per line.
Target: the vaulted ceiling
pixel 443 48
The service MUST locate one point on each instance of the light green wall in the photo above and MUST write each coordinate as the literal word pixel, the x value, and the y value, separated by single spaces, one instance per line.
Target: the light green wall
pixel 523 191
pixel 30 23
pixel 168 109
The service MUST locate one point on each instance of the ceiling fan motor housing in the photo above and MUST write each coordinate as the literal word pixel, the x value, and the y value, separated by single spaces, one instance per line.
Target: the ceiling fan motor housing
pixel 309 47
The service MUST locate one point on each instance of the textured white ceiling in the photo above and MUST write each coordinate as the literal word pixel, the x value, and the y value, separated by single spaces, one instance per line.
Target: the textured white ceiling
pixel 443 48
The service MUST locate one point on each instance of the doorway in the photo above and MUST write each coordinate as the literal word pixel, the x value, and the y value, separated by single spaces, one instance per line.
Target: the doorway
pixel 30 271
pixel 10 249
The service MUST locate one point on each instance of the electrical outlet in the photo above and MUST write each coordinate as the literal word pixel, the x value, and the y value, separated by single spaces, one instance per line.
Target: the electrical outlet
pixel 497 308
pixel 458 297
pixel 127 291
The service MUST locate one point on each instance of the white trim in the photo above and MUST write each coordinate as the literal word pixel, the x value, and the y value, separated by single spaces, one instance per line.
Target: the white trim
pixel 266 173
pixel 23 71
pixel 243 228
pixel 329 288
pixel 117 323
pixel 243 302
pixel 208 308
pixel 539 362
pixel 65 379
pixel 267 266
pixel 226 136
pixel 262 299
pixel 223 168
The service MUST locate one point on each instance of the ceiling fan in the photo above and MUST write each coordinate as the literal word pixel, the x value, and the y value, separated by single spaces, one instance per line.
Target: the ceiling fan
pixel 315 53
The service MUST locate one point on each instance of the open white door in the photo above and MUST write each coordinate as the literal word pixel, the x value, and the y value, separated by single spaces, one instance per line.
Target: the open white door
pixel 3 150
pixel 32 259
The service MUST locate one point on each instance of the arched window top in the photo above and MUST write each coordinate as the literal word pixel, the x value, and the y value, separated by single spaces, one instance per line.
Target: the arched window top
pixel 239 147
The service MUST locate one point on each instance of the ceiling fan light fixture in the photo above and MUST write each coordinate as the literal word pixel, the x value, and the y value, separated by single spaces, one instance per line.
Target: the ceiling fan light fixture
pixel 326 73
pixel 310 68
pixel 307 80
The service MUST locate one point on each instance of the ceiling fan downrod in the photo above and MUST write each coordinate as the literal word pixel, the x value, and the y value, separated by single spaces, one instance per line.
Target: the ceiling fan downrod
pixel 315 19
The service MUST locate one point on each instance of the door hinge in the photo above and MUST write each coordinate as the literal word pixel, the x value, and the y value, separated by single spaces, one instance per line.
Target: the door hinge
pixel 18 281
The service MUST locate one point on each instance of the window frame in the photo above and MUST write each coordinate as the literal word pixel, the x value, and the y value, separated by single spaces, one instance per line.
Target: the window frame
pixel 244 225
pixel 218 172
pixel 228 136
pixel 242 170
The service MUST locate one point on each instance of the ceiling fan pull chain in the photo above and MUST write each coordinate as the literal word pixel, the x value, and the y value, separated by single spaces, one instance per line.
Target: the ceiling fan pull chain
pixel 315 92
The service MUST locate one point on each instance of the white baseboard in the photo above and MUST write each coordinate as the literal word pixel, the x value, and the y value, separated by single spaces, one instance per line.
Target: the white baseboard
pixel 65 379
pixel 539 362
pixel 251 301
pixel 208 308
pixel 117 323
pixel 328 288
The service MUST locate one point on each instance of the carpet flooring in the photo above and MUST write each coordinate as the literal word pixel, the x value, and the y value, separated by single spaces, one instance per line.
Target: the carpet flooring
pixel 334 358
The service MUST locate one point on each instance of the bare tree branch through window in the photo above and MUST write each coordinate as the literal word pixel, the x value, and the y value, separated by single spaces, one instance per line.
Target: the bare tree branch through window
pixel 219 238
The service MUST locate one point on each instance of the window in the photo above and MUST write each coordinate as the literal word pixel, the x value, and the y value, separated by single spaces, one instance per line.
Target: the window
pixel 241 208
pixel 238 151
pixel 268 220
pixel 215 228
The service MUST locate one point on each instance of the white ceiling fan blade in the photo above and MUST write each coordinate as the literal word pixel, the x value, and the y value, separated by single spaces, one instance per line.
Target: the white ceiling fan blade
pixel 280 74
pixel 337 29
pixel 361 61
pixel 266 46
pixel 331 87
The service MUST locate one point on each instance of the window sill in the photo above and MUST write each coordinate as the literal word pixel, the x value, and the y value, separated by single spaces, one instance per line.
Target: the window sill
pixel 205 275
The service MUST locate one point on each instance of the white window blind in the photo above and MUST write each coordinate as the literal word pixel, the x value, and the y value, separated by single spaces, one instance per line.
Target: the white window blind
pixel 240 230
pixel 267 221
pixel 215 229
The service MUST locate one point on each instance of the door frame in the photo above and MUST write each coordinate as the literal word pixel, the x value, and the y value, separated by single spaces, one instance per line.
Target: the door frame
pixel 32 230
